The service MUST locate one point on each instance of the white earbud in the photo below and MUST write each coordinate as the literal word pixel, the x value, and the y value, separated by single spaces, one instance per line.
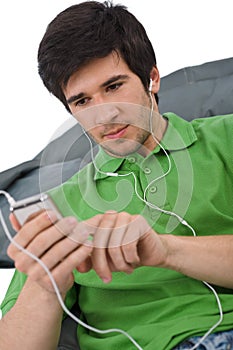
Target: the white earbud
pixel 150 85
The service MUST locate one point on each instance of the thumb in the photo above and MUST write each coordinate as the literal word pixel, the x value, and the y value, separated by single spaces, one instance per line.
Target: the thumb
pixel 15 224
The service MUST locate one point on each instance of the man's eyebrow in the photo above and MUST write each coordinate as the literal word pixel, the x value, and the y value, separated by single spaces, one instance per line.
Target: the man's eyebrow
pixel 114 79
pixel 106 83
pixel 75 97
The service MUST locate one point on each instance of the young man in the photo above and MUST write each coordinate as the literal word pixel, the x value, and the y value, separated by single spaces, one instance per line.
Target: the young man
pixel 143 223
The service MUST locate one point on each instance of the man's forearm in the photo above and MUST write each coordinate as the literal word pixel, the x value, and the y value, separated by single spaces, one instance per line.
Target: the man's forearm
pixel 34 322
pixel 208 258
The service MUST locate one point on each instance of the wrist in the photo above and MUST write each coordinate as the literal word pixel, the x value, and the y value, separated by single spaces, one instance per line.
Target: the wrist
pixel 45 294
pixel 169 243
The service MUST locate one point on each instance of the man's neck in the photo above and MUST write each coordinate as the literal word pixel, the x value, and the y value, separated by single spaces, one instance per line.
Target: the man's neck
pixel 159 128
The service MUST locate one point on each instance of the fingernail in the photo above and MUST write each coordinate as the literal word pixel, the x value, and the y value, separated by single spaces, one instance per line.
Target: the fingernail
pixel 71 221
pixel 106 279
pixel 51 216
pixel 111 212
pixel 85 236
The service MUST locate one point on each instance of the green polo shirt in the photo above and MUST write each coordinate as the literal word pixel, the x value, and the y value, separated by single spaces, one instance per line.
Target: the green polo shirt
pixel 158 307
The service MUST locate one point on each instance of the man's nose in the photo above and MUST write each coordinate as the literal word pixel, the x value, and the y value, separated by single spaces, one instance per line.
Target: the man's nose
pixel 106 113
pixel 98 114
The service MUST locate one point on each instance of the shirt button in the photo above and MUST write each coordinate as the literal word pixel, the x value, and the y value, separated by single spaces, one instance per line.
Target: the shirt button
pixel 147 171
pixel 153 189
pixel 132 160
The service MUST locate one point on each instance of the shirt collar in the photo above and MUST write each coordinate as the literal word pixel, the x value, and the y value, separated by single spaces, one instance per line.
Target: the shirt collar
pixel 179 135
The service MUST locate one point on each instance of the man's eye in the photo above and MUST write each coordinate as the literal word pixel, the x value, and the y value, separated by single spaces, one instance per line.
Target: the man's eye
pixel 114 86
pixel 81 102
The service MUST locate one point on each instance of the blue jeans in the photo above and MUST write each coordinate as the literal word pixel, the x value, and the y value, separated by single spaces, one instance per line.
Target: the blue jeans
pixel 219 341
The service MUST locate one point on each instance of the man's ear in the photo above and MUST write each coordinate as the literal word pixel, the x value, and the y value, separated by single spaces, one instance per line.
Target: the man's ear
pixel 155 80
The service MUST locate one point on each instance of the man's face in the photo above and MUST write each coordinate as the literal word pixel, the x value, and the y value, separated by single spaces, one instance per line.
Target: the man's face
pixel 111 104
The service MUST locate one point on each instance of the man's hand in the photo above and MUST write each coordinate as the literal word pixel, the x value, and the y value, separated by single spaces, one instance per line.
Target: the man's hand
pixel 121 242
pixel 52 242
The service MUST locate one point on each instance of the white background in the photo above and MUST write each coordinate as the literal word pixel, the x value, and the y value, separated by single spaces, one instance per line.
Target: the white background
pixel 183 33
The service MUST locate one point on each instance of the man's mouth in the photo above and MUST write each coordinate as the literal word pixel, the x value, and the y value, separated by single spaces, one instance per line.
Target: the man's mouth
pixel 117 133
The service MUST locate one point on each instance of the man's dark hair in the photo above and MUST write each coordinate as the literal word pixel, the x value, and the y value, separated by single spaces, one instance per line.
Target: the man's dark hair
pixel 92 30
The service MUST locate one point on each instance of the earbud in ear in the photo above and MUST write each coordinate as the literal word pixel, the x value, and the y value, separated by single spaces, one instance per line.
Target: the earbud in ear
pixel 150 85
